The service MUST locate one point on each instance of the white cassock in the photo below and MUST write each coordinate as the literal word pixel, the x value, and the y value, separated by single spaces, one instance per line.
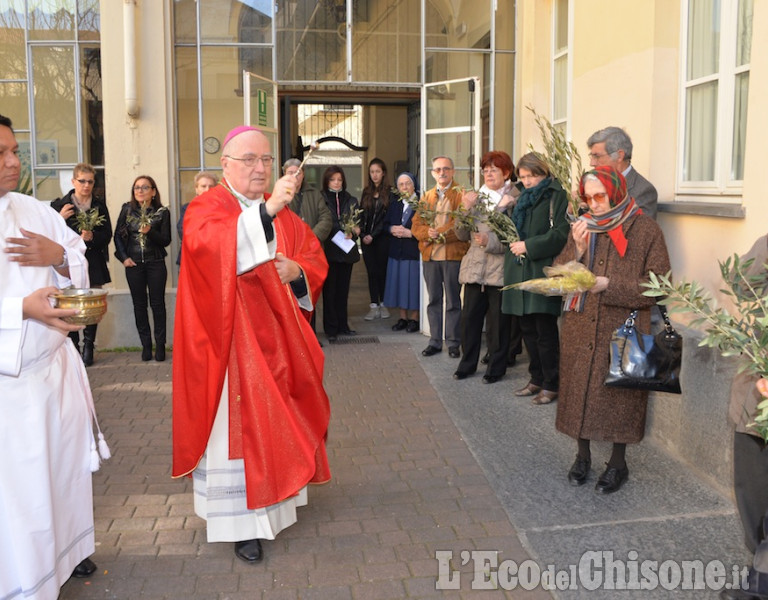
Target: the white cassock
pixel 218 482
pixel 46 411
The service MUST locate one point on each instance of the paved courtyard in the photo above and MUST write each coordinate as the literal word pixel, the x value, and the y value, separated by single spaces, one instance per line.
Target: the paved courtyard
pixel 423 467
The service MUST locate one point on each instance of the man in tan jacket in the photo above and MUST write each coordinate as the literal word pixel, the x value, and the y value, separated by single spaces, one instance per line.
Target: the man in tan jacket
pixel 441 253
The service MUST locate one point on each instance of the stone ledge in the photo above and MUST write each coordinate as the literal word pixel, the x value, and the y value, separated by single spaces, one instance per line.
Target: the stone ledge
pixel 710 209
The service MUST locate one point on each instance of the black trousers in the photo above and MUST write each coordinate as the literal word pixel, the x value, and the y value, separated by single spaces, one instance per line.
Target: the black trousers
pixel 148 276
pixel 482 303
pixel 335 296
pixel 542 340
pixel 750 485
pixel 376 256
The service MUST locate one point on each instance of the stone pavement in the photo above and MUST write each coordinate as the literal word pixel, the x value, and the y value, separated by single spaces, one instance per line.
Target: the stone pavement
pixel 404 486
pixel 421 464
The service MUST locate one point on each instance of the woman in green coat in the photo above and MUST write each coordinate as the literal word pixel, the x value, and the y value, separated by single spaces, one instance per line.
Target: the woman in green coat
pixel 539 215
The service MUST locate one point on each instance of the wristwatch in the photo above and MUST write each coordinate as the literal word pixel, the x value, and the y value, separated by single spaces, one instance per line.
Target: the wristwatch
pixel 64 261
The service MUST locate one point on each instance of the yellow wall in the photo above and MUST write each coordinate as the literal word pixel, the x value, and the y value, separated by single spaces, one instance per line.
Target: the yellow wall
pixel 626 72
pixel 144 145
pixel 386 137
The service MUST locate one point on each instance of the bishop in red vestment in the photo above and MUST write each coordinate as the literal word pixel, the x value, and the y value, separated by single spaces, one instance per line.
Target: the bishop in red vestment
pixel 250 414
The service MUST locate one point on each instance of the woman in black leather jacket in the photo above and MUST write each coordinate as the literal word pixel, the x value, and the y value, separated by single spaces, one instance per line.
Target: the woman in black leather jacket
pixel 142 233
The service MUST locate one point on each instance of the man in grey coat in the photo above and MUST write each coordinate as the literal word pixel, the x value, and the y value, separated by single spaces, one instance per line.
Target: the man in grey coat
pixel 613 147
pixel 750 459
pixel 310 205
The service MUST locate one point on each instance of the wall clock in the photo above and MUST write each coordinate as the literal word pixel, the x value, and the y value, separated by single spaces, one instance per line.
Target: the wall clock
pixel 211 145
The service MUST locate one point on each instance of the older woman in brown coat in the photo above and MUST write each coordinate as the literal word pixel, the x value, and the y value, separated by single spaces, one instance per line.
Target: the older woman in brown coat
pixel 620 246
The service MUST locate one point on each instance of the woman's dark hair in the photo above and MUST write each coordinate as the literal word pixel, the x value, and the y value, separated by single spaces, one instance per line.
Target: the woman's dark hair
pixel 501 160
pixel 369 192
pixel 330 172
pixel 534 164
pixel 155 195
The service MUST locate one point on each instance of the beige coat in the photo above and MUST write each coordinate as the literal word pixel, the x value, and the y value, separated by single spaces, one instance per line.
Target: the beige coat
pixel 482 265
pixel 586 408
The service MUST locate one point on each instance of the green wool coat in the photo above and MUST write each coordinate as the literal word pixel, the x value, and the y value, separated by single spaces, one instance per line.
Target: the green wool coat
pixel 543 243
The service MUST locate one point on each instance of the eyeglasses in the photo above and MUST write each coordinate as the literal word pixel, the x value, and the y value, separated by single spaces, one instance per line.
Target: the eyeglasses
pixel 594 156
pixel 142 188
pixel 599 197
pixel 250 160
pixel 85 181
pixel 488 170
pixel 442 169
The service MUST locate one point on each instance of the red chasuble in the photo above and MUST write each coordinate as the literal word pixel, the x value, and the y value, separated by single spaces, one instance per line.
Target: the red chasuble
pixel 250 326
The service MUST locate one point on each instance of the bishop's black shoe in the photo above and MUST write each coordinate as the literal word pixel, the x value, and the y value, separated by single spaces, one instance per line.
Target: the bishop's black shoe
pixel 249 550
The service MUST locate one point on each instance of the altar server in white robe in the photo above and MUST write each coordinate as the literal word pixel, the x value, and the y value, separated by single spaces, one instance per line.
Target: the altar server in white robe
pixel 46 407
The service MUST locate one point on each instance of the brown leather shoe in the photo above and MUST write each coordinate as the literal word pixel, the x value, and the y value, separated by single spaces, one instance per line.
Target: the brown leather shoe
pixel 544 397
pixel 530 389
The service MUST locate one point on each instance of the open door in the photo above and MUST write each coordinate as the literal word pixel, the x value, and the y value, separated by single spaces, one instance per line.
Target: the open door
pixel 450 126
pixel 261 110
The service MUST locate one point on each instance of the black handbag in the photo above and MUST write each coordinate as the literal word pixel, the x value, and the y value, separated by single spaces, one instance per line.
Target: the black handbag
pixel 642 361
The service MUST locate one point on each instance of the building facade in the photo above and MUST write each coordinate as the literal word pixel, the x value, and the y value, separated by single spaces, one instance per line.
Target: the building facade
pixel 140 86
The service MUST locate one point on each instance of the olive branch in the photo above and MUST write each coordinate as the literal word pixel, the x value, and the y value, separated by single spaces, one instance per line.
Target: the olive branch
pixel 560 154
pixel 741 331
pixel 88 220
pixel 351 220
pixel 145 218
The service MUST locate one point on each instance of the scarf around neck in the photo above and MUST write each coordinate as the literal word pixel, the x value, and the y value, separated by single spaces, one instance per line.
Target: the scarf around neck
pixel 527 198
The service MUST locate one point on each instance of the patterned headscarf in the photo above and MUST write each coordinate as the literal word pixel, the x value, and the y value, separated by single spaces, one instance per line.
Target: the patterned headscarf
pixel 622 206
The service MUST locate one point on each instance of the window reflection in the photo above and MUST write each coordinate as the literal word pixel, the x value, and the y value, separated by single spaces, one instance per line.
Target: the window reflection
pixel 52 20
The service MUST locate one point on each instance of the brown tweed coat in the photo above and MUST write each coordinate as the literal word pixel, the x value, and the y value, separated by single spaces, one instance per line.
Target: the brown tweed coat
pixel 586 408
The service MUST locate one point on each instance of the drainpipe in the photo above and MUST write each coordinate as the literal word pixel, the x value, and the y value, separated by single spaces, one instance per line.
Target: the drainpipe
pixel 129 58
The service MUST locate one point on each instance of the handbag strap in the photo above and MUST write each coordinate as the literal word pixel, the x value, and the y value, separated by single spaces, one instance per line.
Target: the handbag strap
pixel 667 325
pixel 629 324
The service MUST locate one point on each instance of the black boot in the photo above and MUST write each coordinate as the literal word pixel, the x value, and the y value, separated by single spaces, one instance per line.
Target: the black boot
pixel 146 347
pixel 89 337
pixel 160 352
pixel 75 337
